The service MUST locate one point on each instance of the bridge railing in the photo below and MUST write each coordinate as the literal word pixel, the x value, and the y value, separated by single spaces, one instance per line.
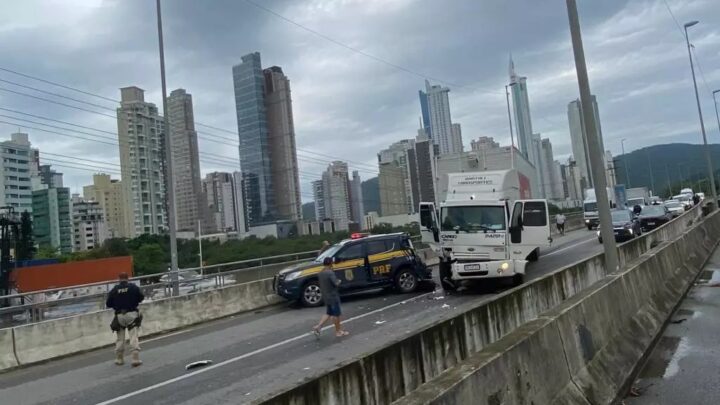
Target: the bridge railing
pixel 55 303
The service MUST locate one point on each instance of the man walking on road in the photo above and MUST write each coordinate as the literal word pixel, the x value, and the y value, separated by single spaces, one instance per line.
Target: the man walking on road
pixel 329 284
pixel 124 298
pixel 560 222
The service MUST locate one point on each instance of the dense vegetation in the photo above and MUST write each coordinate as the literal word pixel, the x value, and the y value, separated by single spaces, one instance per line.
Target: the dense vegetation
pixel 151 253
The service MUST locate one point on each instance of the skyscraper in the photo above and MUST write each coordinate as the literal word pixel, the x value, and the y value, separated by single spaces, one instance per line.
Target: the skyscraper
pixel 529 143
pixel 578 137
pixel 552 183
pixel 268 155
pixel 457 138
pixel 441 128
pixel 484 143
pixel 249 82
pixel 425 111
pixel 141 139
pixel 89 229
pixel 219 187
pixel 425 152
pixel 395 166
pixel 189 205
pixel 319 197
pixel 356 198
pixel 336 194
pixel 51 214
pixel 283 153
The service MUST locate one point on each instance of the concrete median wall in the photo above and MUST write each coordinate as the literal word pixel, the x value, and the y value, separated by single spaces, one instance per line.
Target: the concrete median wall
pixel 587 349
pixel 60 337
pixel 508 345
pixel 7 349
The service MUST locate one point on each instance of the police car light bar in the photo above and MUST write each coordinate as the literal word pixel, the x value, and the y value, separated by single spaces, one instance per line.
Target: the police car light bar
pixel 358 235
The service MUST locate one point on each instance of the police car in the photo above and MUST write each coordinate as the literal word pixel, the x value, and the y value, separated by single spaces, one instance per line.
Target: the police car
pixel 361 262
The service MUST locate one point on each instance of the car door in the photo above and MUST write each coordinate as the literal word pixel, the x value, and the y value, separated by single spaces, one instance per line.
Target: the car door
pixel 350 266
pixel 381 254
pixel 535 223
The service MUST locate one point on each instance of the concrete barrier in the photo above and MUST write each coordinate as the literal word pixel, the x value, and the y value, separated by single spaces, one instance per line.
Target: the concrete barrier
pixel 7 349
pixel 587 349
pixel 404 365
pixel 60 337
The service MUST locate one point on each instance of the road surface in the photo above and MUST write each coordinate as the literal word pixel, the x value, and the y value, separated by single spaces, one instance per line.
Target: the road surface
pixel 255 353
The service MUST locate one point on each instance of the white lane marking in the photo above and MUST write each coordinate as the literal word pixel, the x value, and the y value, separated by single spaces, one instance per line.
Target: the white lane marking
pixel 249 354
pixel 568 247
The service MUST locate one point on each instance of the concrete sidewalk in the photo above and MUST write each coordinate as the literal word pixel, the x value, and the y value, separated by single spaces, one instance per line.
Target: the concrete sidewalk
pixel 684 367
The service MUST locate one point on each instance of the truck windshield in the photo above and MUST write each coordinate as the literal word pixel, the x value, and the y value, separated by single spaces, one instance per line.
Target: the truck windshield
pixel 473 218
pixel 590 206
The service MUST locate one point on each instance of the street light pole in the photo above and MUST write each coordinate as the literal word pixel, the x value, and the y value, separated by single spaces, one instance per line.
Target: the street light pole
pixel 597 161
pixel 625 160
pixel 713 191
pixel 169 181
pixel 200 246
pixel 716 108
pixel 512 137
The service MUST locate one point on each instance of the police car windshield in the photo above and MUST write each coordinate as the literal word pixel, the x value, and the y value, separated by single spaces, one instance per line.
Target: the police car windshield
pixel 328 253
pixel 473 219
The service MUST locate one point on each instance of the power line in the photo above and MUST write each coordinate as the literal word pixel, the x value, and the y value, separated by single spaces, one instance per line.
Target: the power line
pixel 56 84
pixel 56 94
pixel 361 52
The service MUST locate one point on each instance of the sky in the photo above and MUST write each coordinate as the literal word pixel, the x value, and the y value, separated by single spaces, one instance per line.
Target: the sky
pixel 355 68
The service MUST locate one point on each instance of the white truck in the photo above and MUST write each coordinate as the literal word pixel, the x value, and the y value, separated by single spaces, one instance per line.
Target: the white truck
pixel 638 196
pixel 590 207
pixel 484 228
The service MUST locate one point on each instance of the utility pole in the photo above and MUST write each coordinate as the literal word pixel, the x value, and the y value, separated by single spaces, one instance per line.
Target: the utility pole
pixel 200 245
pixel 652 178
pixel 713 191
pixel 169 180
pixel 625 159
pixel 597 161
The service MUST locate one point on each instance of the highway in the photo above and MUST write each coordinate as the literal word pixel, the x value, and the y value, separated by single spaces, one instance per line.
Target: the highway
pixel 256 353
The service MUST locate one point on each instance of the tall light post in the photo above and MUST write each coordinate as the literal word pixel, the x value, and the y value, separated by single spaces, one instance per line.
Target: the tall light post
pixel 716 108
pixel 595 152
pixel 625 159
pixel 169 181
pixel 711 172
pixel 512 137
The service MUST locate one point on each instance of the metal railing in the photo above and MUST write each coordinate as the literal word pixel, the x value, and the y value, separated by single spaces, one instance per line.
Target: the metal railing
pixel 60 302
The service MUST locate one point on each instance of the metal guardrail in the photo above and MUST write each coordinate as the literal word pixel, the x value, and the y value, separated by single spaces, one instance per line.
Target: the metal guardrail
pixel 72 300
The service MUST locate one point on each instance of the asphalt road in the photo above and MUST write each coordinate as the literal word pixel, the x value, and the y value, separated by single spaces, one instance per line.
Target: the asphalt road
pixel 256 353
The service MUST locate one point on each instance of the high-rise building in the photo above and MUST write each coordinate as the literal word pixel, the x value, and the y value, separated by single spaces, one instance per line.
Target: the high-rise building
pixel 109 194
pixel 241 224
pixel 559 188
pixel 219 187
pixel 610 169
pixel 521 107
pixel 552 183
pixel 425 118
pixel 457 138
pixel 318 187
pixel 396 167
pixel 189 200
pixel 573 181
pixel 529 143
pixel 50 177
pixel 356 198
pixel 578 137
pixel 89 230
pixel 283 153
pixel 441 128
pixel 249 82
pixel 141 138
pixel 19 166
pixel 337 199
pixel 52 225
pixel 425 153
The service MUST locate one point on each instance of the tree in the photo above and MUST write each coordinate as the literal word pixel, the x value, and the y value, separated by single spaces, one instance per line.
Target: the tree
pixel 149 259
pixel 47 252
pixel 116 247
pixel 25 246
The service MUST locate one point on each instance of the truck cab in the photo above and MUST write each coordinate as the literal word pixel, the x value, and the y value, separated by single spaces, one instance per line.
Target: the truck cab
pixel 483 230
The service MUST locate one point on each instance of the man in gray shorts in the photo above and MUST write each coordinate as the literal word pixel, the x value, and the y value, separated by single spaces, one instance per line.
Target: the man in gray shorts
pixel 329 284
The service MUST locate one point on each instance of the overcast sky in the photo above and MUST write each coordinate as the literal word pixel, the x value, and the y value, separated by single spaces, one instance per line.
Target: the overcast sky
pixel 348 105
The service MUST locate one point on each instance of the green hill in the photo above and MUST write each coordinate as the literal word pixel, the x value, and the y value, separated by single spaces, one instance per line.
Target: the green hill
pixel 667 168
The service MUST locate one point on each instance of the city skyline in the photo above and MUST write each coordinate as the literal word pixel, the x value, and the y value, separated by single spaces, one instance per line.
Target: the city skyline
pixel 475 103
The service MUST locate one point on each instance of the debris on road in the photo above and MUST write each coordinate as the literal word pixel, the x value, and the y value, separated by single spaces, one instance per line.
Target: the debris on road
pixel 197 364
pixel 679 320
pixel 445 306
pixel 379 322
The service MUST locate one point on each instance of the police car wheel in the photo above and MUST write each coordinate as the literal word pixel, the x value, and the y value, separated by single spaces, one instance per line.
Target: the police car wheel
pixel 406 281
pixel 311 295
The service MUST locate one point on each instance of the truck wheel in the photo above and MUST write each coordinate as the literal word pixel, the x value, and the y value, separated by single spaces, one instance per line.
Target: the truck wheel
pixel 406 281
pixel 534 256
pixel 310 294
pixel 445 273
pixel 518 279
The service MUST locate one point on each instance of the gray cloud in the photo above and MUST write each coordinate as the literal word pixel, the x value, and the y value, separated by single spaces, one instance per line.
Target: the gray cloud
pixel 348 105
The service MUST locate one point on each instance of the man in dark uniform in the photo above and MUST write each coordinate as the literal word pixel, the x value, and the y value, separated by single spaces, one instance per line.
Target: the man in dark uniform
pixel 124 298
